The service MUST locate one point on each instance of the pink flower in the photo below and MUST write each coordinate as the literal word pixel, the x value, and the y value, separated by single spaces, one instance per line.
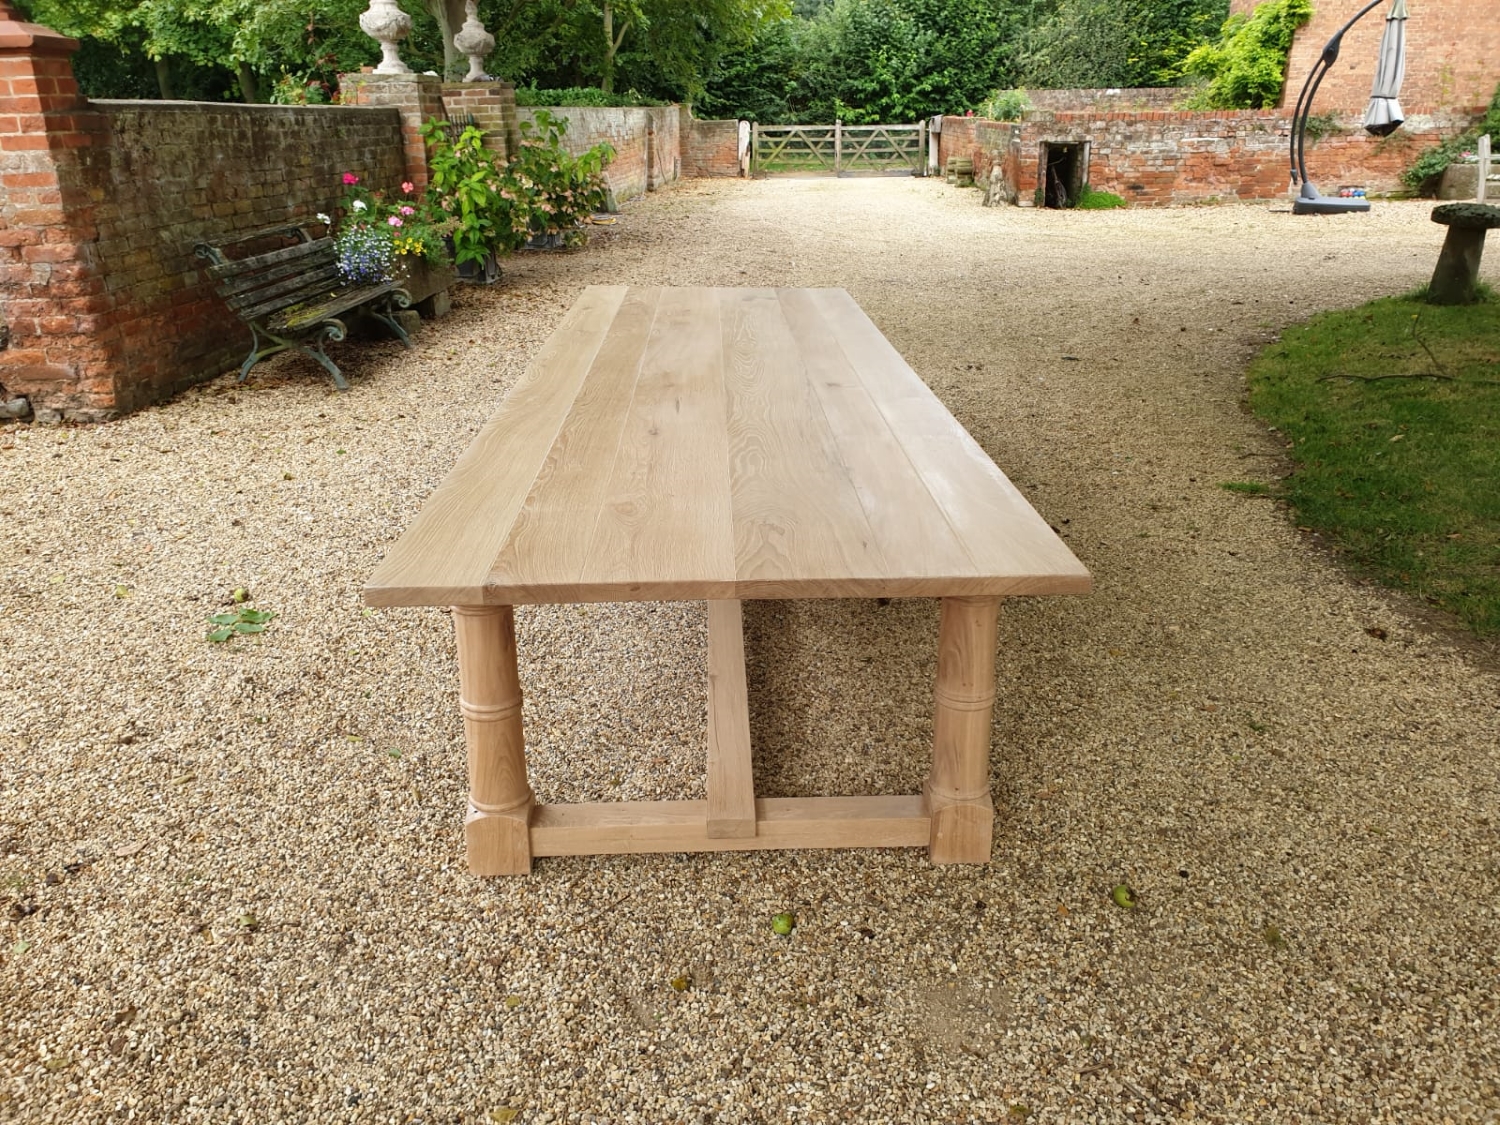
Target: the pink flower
pixel 350 179
pixel 408 187
pixel 408 210
pixel 394 220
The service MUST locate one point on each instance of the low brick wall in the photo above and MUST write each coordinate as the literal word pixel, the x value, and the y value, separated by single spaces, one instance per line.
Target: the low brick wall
pixel 1164 157
pixel 492 105
pixel 1124 100
pixel 709 148
pixel 646 141
pixel 107 307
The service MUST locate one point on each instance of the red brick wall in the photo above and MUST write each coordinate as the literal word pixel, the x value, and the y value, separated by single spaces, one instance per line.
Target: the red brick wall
pixel 664 146
pixel 1452 55
pixel 710 148
pixel 1127 100
pixel 106 306
pixel 956 139
pixel 493 107
pixel 177 173
pixel 645 143
pixel 1162 157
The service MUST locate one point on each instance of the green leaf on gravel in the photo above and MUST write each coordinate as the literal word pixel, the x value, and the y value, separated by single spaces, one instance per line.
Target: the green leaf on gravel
pixel 257 616
pixel 504 1114
pixel 19 948
pixel 1123 897
pixel 680 984
pixel 218 636
pixel 784 924
pixel 512 1001
pixel 224 618
pixel 249 627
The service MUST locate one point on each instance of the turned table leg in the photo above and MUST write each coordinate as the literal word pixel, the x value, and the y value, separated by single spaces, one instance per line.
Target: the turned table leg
pixel 497 829
pixel 957 793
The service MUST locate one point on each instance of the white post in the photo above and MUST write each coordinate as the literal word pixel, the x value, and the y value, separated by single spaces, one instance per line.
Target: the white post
pixel 1484 168
pixel 838 145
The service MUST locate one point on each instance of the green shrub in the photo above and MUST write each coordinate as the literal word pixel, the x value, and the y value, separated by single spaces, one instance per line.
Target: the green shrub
pixel 487 206
pixel 1092 200
pixel 1246 68
pixel 580 97
pixel 1004 105
pixel 1427 169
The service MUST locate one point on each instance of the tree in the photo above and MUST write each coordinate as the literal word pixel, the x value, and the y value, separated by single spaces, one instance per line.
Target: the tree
pixel 1246 67
pixel 1105 43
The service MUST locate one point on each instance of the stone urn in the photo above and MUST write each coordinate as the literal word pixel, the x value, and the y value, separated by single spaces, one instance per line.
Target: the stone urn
pixel 473 40
pixel 387 24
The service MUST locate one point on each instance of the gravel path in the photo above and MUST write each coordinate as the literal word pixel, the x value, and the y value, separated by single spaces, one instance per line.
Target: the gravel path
pixel 234 876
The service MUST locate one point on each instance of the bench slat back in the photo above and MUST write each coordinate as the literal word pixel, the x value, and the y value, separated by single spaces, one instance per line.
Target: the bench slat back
pixel 283 293
pixel 249 274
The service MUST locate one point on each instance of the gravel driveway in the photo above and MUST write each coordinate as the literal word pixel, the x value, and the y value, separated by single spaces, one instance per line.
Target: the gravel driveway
pixel 234 874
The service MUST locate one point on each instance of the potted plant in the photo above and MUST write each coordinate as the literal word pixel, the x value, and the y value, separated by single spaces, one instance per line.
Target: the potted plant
pixel 378 240
pixel 562 190
pixel 472 194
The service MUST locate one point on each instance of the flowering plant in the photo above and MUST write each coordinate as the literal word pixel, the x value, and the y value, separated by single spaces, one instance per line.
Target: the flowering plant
pixel 496 206
pixel 372 232
pixel 561 189
pixel 473 189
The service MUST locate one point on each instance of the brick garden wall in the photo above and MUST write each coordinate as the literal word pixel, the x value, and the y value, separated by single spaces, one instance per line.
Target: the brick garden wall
pixel 1160 157
pixel 104 306
pixel 1452 55
pixel 175 174
pixel 492 105
pixel 709 148
pixel 645 140
pixel 1126 100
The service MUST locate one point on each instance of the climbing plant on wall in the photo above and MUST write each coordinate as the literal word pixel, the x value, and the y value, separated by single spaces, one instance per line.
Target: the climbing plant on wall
pixel 1246 66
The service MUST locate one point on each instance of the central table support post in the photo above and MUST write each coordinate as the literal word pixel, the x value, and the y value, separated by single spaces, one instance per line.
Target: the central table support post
pixel 498 827
pixel 957 793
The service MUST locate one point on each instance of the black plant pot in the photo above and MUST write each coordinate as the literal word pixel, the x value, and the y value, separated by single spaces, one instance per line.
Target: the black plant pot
pixel 486 272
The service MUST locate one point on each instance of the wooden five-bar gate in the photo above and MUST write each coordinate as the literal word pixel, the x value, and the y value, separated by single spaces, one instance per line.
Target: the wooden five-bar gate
pixel 839 149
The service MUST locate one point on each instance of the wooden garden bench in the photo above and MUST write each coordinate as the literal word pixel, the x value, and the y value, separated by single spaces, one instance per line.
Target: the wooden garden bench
pixel 294 297
pixel 712 445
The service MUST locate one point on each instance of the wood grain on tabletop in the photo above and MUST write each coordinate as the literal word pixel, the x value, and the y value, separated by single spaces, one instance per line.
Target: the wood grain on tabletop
pixel 680 444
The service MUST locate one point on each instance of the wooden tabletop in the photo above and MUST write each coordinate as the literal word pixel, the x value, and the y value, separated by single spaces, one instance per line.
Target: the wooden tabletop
pixel 684 444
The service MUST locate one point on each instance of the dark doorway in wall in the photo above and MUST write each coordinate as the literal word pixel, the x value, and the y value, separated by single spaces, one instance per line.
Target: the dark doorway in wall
pixel 1063 168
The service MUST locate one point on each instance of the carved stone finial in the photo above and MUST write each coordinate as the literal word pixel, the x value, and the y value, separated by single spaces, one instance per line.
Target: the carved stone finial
pixel 474 41
pixel 387 24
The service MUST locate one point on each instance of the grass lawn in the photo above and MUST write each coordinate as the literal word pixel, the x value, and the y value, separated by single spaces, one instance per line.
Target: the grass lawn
pixel 1403 474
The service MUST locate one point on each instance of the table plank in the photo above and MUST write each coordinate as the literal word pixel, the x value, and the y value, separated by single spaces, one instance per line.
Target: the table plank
pixel 570 488
pixel 445 556
pixel 797 516
pixel 908 525
pixel 664 530
pixel 1009 542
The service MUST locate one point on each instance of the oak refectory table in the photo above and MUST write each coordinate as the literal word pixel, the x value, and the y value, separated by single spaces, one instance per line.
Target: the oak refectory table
pixel 714 445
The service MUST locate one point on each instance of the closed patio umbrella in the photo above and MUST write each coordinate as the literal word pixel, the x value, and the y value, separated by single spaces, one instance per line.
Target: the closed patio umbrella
pixel 1384 115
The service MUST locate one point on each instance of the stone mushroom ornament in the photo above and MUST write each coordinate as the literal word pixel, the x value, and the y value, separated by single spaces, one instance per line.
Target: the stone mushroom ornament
pixel 473 40
pixel 387 24
pixel 1455 280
